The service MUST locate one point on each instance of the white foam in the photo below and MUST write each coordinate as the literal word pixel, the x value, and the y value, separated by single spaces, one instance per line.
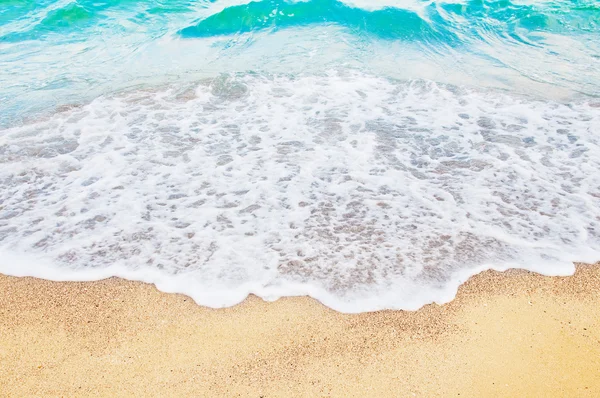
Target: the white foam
pixel 359 191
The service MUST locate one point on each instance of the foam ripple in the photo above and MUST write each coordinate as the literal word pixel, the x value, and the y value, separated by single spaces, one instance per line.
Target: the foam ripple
pixel 363 192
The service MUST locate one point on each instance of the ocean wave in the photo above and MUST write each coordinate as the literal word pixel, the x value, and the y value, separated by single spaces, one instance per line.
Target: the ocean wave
pixel 69 48
pixel 23 20
pixel 386 22
pixel 371 154
pixel 445 21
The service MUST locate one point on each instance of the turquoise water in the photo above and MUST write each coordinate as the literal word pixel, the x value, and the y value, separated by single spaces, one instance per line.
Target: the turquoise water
pixel 54 52
pixel 371 154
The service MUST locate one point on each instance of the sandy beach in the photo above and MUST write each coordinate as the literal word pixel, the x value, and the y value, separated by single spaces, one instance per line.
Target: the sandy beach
pixel 506 334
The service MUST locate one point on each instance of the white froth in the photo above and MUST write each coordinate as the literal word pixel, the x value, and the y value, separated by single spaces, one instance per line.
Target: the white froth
pixel 359 191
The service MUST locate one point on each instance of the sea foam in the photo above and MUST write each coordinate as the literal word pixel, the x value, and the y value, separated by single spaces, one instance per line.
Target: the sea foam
pixel 363 192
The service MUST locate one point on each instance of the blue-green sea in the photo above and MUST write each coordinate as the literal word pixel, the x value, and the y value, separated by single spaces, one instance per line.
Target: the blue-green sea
pixel 369 153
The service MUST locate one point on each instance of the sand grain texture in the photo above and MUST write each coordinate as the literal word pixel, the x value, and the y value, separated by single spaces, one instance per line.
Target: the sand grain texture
pixel 506 334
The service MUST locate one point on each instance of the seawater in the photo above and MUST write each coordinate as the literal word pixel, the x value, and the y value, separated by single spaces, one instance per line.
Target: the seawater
pixel 369 154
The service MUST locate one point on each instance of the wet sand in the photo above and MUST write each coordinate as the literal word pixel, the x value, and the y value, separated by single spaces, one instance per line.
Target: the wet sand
pixel 506 334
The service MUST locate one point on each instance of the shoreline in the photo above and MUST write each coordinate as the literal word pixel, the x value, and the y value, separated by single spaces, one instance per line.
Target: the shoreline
pixel 511 333
pixel 21 266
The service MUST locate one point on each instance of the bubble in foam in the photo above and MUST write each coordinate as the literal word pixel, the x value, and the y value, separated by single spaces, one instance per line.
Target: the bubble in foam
pixel 362 192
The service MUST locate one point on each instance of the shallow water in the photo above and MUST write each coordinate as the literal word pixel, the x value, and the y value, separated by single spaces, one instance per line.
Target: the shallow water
pixel 370 154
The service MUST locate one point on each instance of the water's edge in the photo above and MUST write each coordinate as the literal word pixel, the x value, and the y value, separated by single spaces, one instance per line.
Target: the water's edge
pixel 22 266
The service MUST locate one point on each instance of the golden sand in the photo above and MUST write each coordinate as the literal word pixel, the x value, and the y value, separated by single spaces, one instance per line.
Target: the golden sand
pixel 512 334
